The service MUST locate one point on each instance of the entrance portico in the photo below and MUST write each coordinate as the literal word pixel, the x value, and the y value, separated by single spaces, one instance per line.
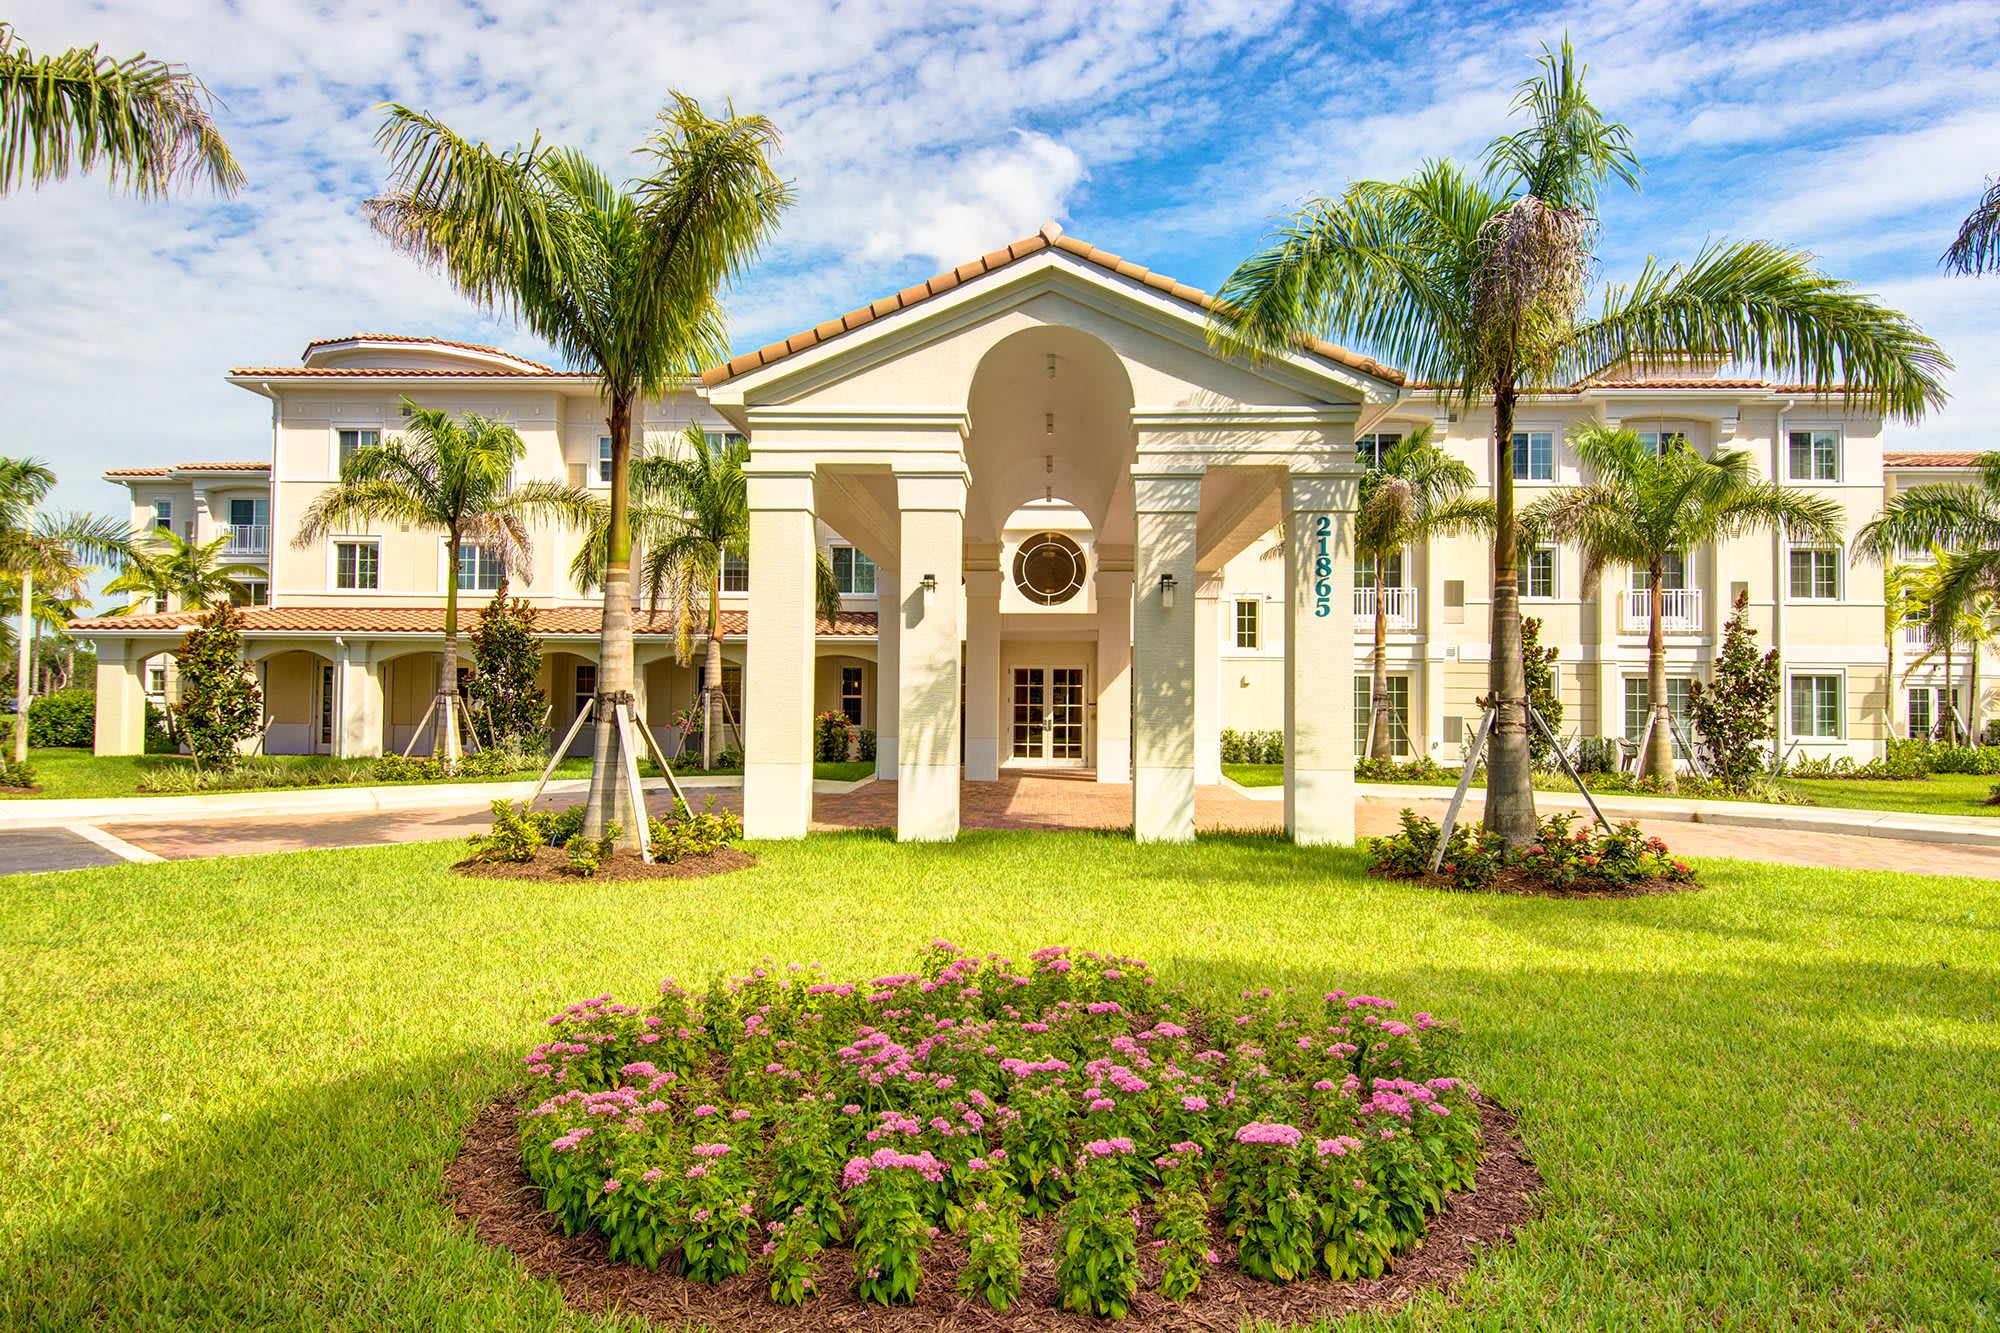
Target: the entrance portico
pixel 1047 462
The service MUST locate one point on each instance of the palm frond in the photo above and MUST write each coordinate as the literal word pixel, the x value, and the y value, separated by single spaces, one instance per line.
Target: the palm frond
pixel 1976 248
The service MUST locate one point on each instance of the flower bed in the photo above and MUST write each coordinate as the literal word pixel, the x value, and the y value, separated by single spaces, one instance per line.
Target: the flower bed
pixel 1562 860
pixel 1069 1128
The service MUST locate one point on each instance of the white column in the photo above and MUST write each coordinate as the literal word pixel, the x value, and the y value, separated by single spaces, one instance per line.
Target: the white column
pixel 982 675
pixel 120 727
pixel 1163 667
pixel 888 651
pixel 358 695
pixel 932 519
pixel 778 673
pixel 1319 648
pixel 1114 675
pixel 1208 678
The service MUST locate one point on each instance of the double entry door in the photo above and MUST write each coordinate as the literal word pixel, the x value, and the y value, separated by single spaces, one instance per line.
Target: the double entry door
pixel 1047 716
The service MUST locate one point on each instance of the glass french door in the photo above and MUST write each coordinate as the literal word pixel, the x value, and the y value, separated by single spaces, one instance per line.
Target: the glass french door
pixel 1047 716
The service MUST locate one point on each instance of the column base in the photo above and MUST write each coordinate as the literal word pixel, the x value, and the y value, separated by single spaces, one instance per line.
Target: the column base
pixel 982 759
pixel 1319 806
pixel 885 757
pixel 1208 761
pixel 777 800
pixel 1163 804
pixel 927 803
pixel 1114 761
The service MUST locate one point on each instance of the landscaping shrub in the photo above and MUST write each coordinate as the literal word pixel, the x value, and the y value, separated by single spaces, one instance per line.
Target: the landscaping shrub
pixel 1596 754
pixel 745 1125
pixel 1538 665
pixel 587 855
pixel 1252 747
pixel 867 745
pixel 16 774
pixel 1421 769
pixel 1562 858
pixel 158 739
pixel 688 833
pixel 1738 711
pixel 66 719
pixel 481 764
pixel 519 832
pixel 505 684
pixel 1905 761
pixel 831 732
pixel 260 774
pixel 220 706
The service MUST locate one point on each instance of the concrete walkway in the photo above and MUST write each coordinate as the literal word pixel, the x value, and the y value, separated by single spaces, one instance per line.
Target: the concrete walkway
pixel 1790 835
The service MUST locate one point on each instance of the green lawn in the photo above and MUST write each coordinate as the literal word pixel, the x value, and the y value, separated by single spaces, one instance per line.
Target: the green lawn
pixel 227 1090
pixel 1255 775
pixel 79 773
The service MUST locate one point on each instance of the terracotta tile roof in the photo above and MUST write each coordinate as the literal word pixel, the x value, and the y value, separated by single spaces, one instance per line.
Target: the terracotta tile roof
pixel 187 467
pixel 429 620
pixel 421 339
pixel 1930 458
pixel 397 372
pixel 1049 237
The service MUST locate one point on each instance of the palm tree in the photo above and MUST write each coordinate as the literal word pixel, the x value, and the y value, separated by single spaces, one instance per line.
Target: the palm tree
pixel 146 123
pixel 1976 249
pixel 1414 492
pixel 1904 589
pixel 623 280
pixel 55 550
pixel 1477 286
pixel 1644 506
pixel 689 510
pixel 453 475
pixel 170 565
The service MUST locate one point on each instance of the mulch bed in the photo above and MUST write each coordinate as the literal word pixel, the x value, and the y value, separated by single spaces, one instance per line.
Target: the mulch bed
pixel 20 791
pixel 551 864
pixel 490 1189
pixel 1524 885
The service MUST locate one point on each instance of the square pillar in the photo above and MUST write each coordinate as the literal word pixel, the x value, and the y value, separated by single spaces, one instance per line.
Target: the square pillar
pixel 982 675
pixel 358 699
pixel 120 727
pixel 888 651
pixel 1114 675
pixel 1208 679
pixel 1319 651
pixel 1163 656
pixel 931 516
pixel 778 672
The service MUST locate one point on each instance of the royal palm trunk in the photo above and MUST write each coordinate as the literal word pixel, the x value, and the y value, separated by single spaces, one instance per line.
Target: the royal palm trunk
pixel 1510 779
pixel 1658 761
pixel 610 800
pixel 444 737
pixel 21 671
pixel 1378 694
pixel 711 677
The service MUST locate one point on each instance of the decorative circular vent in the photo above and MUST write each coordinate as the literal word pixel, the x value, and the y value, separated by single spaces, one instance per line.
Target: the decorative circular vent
pixel 1048 568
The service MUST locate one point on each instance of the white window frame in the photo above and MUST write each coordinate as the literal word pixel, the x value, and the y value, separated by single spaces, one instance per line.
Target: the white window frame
pixel 1641 680
pixel 333 441
pixel 445 554
pixel 1368 448
pixel 1836 674
pixel 333 546
pixel 1839 555
pixel 1364 692
pixel 1397 562
pixel 1839 454
pixel 1256 605
pixel 601 474
pixel 1526 584
pixel 860 696
pixel 1524 449
pixel 730 564
pixel 833 558
pixel 1652 438
pixel 163 515
pixel 156 681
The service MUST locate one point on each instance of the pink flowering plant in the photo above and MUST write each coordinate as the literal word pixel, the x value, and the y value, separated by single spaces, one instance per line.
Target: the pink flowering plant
pixel 1562 858
pixel 751 1124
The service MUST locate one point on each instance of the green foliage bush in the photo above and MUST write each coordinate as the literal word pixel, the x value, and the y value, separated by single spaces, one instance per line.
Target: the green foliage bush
pixel 482 764
pixel 1596 754
pixel 867 745
pixel 505 685
pixel 1421 769
pixel 220 706
pixel 518 832
pixel 693 834
pixel 14 774
pixel 1735 713
pixel 65 719
pixel 830 736
pixel 588 855
pixel 1562 859
pixel 1538 665
pixel 1252 747
pixel 258 774
pixel 1905 761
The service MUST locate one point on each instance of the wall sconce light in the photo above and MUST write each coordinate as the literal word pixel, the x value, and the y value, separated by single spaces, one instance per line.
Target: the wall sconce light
pixel 1052 365
pixel 1167 585
pixel 1049 424
pixel 930 584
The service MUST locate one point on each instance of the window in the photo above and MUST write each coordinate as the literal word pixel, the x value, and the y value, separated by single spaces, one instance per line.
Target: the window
pixel 604 460
pixel 326 703
pixel 1397 720
pixel 586 686
pixel 1673 574
pixel 1537 572
pixel 719 439
pixel 1364 571
pixel 1815 455
pixel 1369 449
pixel 735 573
pixel 163 514
pixel 480 569
pixel 353 442
pixel 250 592
pixel 1815 574
pixel 1534 455
pixel 249 513
pixel 357 565
pixel 1657 442
pixel 1638 703
pixel 1933 709
pixel 160 604
pixel 853 572
pixel 156 680
pixel 850 694
pixel 732 695
pixel 1049 569
pixel 1816 707
pixel 1249 624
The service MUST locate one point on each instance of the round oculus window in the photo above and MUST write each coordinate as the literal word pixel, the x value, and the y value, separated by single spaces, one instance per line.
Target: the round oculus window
pixel 1048 568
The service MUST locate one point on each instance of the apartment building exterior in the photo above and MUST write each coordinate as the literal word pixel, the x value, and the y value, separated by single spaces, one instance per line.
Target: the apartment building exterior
pixel 1015 466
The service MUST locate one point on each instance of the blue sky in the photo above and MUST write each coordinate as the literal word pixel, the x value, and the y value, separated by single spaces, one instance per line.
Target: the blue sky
pixel 922 133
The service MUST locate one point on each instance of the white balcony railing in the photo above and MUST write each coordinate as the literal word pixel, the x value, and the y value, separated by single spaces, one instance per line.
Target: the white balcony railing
pixel 248 539
pixel 1918 637
pixel 1400 603
pixel 1680 610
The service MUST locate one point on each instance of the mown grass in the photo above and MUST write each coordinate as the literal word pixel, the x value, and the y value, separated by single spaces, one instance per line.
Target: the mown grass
pixel 79 773
pixel 228 1089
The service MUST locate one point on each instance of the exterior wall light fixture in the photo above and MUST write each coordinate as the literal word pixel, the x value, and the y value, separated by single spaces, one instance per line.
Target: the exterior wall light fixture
pixel 930 584
pixel 1167 585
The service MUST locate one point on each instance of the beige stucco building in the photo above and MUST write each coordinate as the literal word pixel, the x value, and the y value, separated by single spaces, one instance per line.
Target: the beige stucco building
pixel 1054 509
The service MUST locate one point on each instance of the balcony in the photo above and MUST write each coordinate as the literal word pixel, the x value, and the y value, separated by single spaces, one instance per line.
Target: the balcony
pixel 248 539
pixel 1919 638
pixel 1400 603
pixel 1680 611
